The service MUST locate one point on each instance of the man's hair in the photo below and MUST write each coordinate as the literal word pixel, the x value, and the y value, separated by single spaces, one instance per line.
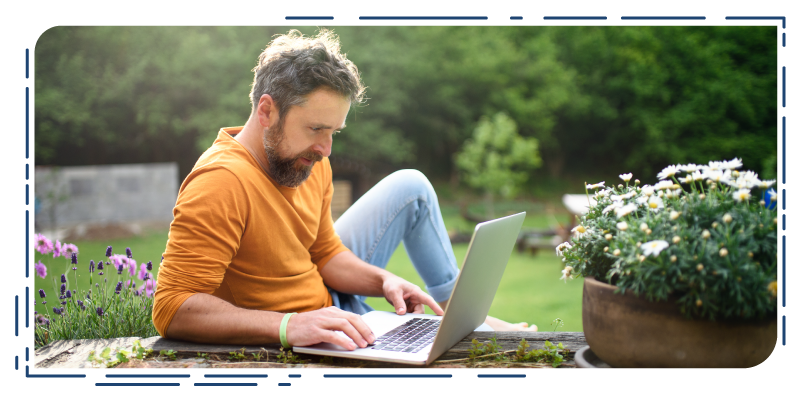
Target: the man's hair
pixel 293 66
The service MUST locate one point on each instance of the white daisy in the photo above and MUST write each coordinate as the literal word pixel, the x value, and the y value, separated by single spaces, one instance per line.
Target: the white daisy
pixel 766 184
pixel 742 195
pixel 655 203
pixel 612 207
pixel 602 193
pixel 562 247
pixel 580 231
pixel 668 171
pixel 625 196
pixel 731 164
pixel 653 247
pixel 647 190
pixel 625 210
pixel 772 194
pixel 566 273
pixel 622 226
pixel 663 185
pixel 689 167
pixel 598 185
pixel 625 177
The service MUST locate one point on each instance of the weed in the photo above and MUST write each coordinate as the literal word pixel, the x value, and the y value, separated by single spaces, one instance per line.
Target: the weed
pixel 478 349
pixel 237 356
pixel 169 354
pixel 288 357
pixel 553 354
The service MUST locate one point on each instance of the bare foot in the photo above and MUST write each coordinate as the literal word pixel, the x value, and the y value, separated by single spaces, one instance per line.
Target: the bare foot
pixel 500 325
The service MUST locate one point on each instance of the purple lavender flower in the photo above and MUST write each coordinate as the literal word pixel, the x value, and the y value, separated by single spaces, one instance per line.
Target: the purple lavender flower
pixel 44 302
pixel 99 309
pixel 61 297
pixel 147 276
pixel 100 265
pixel 149 265
pixel 63 287
pixel 91 266
pixel 80 303
pixel 88 296
pixel 118 288
pixel 136 293
pixel 56 310
pixel 108 251
pixel 63 278
pixel 74 258
pixel 128 253
pixel 100 274
pixel 69 294
pixel 62 309
pixel 119 269
pixel 63 303
pixel 41 269
pixel 42 293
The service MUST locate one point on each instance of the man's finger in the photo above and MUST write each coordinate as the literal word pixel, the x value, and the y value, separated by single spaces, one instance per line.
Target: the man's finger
pixel 334 338
pixel 345 326
pixel 396 299
pixel 428 300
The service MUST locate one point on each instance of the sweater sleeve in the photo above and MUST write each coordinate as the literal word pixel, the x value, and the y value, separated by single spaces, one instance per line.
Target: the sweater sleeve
pixel 204 236
pixel 328 243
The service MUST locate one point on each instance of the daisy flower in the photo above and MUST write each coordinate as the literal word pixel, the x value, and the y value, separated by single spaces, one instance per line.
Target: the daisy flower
pixel 625 177
pixel 689 167
pixel 625 210
pixel 566 273
pixel 562 247
pixel 653 247
pixel 742 195
pixel 663 185
pixel 772 194
pixel 628 195
pixel 647 190
pixel 731 164
pixel 612 207
pixel 766 184
pixel 655 203
pixel 622 226
pixel 668 171
pixel 580 231
pixel 598 185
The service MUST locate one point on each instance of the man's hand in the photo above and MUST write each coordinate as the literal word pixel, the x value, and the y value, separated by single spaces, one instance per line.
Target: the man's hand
pixel 407 297
pixel 318 326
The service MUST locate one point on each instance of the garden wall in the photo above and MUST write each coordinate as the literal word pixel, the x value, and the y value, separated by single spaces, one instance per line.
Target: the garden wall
pixel 68 196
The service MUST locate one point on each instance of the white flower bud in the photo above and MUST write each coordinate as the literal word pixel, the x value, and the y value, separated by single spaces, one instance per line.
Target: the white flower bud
pixel 622 226
pixel 673 258
pixel 727 218
pixel 674 215
pixel 616 252
pixel 702 196
pixel 608 237
pixel 676 239
pixel 643 227
pixel 705 234
pixel 723 252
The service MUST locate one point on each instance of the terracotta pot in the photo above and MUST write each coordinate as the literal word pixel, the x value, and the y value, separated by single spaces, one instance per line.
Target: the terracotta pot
pixel 626 331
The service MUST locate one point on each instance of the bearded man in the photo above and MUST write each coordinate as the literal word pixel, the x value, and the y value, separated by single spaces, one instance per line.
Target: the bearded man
pixel 252 240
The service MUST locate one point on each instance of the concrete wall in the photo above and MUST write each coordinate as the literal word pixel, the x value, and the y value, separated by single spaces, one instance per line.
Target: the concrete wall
pixel 106 194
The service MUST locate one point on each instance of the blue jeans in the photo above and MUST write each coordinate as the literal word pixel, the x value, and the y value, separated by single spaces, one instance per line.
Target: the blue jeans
pixel 401 207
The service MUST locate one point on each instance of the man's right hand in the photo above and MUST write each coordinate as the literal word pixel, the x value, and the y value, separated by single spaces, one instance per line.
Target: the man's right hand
pixel 318 326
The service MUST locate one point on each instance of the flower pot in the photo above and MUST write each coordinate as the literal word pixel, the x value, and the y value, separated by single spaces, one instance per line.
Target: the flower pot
pixel 627 331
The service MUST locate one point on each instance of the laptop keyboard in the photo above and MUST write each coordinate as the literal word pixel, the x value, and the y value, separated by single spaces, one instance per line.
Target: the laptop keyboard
pixel 411 336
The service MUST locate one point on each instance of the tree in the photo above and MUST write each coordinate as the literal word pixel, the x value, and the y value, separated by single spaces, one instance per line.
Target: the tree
pixel 496 159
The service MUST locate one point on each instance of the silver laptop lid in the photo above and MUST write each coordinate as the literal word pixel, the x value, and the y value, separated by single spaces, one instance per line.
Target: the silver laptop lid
pixel 470 301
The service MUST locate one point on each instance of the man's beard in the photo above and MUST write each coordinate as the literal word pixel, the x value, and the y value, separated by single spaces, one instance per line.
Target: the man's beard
pixel 282 169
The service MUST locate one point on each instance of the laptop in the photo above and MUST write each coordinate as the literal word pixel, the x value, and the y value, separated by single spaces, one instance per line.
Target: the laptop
pixel 419 339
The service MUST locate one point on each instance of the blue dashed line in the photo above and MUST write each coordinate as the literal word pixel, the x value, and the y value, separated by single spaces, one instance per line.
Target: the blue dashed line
pixel 226 384
pixel 784 271
pixel 501 376
pixel 27 312
pixel 784 222
pixel 310 18
pixel 27 62
pixel 284 384
pixel 663 18
pixel 137 384
pixel 27 244
pixel 784 150
pixel 784 20
pixel 515 17
pixel 27 196
pixel 578 18
pixel 422 18
pixel 294 376
pixel 784 199
pixel 784 39
pixel 16 315
pixel 27 122
pixel 16 362
pixel 784 86
pixel 784 330
pixel 142 375
pixel 26 354
pixel 27 374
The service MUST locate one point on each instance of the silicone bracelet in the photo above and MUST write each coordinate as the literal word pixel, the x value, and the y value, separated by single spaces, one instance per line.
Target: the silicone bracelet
pixel 282 330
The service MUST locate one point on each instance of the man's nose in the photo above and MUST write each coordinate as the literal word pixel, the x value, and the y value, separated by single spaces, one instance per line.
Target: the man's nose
pixel 323 145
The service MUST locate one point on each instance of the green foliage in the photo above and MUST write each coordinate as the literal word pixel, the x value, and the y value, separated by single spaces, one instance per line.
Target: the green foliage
pixel 710 243
pixel 496 159
pixel 171 354
pixel 491 347
pixel 203 355
pixel 237 356
pixel 286 356
pixel 596 98
pixel 120 355
pixel 553 354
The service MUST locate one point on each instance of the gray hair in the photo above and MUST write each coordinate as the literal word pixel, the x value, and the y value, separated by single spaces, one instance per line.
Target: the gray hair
pixel 293 66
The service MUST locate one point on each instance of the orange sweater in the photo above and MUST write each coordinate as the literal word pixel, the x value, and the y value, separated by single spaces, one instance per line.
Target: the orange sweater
pixel 238 235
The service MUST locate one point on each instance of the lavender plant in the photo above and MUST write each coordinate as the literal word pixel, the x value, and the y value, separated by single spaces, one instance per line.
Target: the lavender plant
pixel 117 303
pixel 706 240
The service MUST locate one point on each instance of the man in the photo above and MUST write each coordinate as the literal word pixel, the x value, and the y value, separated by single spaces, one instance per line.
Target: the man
pixel 252 237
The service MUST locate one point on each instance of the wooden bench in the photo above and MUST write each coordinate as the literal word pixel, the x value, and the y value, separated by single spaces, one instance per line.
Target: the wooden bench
pixel 74 353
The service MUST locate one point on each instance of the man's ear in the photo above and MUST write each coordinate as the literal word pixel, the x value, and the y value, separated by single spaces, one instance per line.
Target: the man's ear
pixel 266 111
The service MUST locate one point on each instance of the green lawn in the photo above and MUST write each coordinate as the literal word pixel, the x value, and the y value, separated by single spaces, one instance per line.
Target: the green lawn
pixel 529 291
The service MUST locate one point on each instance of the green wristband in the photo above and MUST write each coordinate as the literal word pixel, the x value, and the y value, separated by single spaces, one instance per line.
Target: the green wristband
pixel 282 330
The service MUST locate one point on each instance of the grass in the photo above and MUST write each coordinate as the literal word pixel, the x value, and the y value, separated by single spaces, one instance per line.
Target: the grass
pixel 529 291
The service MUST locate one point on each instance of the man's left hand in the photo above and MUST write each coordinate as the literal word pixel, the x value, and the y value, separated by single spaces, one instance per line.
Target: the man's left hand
pixel 407 297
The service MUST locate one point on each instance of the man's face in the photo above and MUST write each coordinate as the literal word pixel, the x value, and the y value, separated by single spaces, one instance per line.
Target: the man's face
pixel 304 137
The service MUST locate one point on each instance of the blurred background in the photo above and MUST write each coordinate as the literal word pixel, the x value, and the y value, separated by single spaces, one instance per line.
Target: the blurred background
pixel 501 120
